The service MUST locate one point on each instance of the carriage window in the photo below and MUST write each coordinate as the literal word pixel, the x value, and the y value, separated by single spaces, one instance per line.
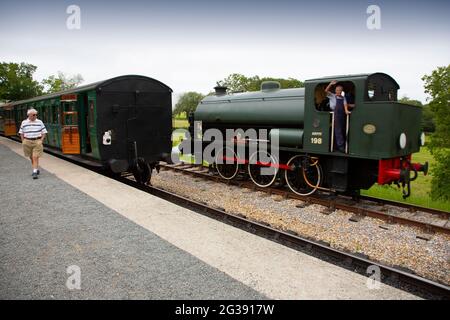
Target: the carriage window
pixel 71 119
pixel 68 106
pixel 322 102
pixel 91 113
pixel 55 114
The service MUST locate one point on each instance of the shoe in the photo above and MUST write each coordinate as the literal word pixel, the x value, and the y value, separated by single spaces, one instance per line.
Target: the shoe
pixel 38 172
pixel 34 175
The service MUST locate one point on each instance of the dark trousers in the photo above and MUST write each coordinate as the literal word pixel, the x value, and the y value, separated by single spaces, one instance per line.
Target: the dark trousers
pixel 339 128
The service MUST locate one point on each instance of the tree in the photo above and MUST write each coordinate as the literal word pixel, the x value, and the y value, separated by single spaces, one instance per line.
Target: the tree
pixel 437 85
pixel 188 102
pixel 236 82
pixel 407 100
pixel 61 82
pixel 427 124
pixel 16 81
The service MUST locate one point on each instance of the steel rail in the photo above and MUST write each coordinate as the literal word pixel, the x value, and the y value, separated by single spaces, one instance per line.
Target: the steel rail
pixel 332 204
pixel 295 241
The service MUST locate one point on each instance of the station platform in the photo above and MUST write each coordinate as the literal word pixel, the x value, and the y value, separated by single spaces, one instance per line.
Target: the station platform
pixel 128 244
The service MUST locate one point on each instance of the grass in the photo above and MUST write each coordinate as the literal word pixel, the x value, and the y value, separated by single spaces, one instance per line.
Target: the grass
pixel 180 123
pixel 176 138
pixel 420 188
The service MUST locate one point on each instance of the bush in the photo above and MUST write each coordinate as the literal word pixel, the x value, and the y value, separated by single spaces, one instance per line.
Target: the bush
pixel 437 85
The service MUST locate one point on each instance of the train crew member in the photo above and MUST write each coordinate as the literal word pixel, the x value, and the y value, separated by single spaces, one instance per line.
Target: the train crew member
pixel 339 105
pixel 32 133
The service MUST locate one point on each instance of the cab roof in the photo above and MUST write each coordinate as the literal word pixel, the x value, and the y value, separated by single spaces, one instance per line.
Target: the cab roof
pixel 353 77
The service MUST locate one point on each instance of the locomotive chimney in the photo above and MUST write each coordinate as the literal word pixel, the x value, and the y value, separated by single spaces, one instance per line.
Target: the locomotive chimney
pixel 220 90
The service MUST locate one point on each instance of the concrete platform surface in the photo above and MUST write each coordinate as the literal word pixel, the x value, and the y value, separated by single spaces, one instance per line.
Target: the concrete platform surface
pixel 131 245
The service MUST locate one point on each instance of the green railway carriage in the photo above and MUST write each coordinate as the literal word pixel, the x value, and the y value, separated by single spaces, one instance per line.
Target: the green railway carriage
pixel 381 134
pixel 123 123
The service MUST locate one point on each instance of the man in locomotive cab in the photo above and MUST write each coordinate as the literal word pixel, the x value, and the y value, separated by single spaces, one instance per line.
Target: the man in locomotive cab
pixel 340 108
pixel 32 133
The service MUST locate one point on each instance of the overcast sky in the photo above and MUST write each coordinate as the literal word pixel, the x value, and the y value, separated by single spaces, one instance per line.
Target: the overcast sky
pixel 189 45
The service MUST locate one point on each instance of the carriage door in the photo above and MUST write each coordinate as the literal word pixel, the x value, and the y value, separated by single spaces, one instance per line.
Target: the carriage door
pixel 70 133
pixel 9 124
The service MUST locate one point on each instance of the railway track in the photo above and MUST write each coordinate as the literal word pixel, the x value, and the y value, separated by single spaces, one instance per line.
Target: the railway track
pixel 355 262
pixel 428 220
pixel 358 263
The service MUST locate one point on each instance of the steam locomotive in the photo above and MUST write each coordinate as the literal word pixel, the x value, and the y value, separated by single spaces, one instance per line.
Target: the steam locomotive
pixel 381 136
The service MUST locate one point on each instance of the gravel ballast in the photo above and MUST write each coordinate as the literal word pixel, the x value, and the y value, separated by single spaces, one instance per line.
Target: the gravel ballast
pixel 390 244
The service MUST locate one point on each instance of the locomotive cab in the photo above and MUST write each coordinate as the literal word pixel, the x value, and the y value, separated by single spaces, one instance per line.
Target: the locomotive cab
pixel 379 130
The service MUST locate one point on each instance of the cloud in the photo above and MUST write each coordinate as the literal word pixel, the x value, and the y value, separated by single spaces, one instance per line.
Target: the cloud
pixel 191 45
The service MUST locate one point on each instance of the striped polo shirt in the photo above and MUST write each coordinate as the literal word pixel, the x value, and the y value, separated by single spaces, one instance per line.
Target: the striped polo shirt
pixel 32 129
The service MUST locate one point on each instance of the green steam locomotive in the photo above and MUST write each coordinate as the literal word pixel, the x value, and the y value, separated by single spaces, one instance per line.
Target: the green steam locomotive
pixel 381 134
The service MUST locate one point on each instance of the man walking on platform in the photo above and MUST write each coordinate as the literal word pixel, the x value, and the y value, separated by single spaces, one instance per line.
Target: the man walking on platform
pixel 32 133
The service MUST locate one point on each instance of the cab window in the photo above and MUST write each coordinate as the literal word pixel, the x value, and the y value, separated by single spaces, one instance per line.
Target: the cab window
pixel 380 87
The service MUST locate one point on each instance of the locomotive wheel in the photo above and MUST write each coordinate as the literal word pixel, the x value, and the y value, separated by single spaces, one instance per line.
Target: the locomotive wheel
pixel 295 177
pixel 227 170
pixel 142 172
pixel 262 176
